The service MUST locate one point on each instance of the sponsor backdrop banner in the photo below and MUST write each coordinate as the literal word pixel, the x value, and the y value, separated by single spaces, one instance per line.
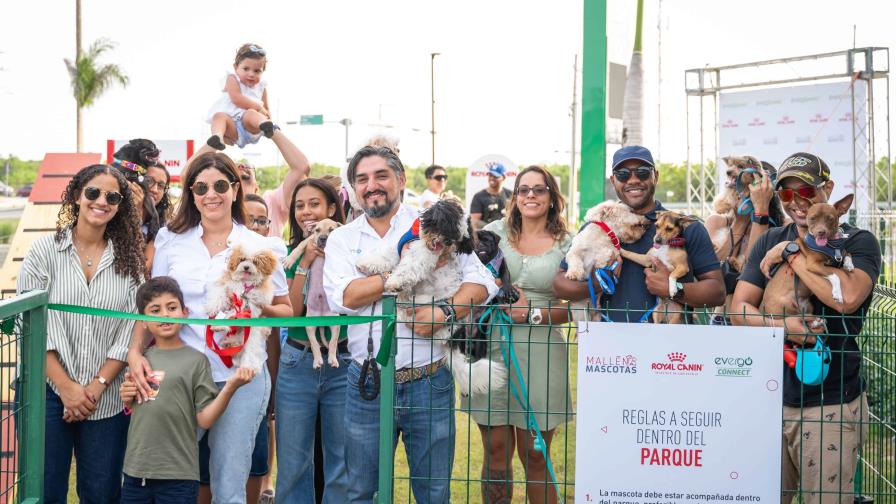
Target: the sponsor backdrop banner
pixel 678 414
pixel 477 174
pixel 174 154
pixel 773 123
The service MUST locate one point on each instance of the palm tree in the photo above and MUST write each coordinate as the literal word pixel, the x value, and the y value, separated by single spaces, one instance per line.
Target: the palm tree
pixel 90 79
pixel 633 103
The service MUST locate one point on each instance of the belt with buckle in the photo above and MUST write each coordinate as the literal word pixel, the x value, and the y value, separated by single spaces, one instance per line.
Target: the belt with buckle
pixel 341 348
pixel 405 375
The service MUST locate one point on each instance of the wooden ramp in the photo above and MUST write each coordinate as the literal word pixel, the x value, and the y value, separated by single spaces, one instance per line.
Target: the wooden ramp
pixel 39 215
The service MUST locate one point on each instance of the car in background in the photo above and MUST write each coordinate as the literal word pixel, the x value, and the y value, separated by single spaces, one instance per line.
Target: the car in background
pixel 5 190
pixel 25 191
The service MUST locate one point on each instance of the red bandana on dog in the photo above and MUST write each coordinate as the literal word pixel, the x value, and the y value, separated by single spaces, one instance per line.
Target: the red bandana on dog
pixel 226 354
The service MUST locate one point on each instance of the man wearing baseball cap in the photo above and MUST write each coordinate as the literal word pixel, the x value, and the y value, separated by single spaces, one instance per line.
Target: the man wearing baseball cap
pixel 488 204
pixel 634 178
pixel 823 424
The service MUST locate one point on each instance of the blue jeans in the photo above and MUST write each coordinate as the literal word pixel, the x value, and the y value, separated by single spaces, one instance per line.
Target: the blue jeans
pixel 158 491
pixel 232 440
pixel 259 465
pixel 98 446
pixel 424 416
pixel 301 392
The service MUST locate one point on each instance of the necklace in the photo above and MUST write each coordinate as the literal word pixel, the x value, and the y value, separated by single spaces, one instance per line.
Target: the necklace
pixel 82 251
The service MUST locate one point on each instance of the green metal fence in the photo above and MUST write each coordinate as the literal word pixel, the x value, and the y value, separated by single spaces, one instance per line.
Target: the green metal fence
pixel 23 336
pixel 473 468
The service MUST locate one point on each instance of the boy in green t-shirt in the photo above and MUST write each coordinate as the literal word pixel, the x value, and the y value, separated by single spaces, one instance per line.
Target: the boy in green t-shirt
pixel 161 463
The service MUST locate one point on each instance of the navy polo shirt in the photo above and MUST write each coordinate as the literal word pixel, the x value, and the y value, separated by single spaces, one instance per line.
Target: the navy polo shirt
pixel 631 299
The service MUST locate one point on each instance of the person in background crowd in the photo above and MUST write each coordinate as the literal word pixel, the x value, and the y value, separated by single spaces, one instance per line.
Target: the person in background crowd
pixel 194 249
pixel 157 180
pixel 94 258
pixel 534 240
pixel 634 179
pixel 823 425
pixel 424 383
pixel 303 392
pixel 488 204
pixel 436 182
pixel 133 160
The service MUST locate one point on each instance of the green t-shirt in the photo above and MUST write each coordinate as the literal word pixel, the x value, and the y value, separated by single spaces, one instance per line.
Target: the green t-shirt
pixel 299 332
pixel 162 441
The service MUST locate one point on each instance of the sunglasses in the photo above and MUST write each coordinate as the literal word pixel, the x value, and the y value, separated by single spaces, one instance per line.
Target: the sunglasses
pixel 538 190
pixel 805 192
pixel 246 178
pixel 112 197
pixel 642 172
pixel 220 187
pixel 440 178
pixel 153 183
pixel 263 221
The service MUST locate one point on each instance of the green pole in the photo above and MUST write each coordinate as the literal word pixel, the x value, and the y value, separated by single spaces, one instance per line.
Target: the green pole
pixel 32 395
pixel 594 106
pixel 387 409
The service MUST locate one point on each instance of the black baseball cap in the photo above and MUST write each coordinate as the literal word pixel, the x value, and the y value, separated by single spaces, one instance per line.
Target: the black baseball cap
pixel 809 168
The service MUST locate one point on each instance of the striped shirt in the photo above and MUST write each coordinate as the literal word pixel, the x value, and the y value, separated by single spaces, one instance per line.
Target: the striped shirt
pixel 82 342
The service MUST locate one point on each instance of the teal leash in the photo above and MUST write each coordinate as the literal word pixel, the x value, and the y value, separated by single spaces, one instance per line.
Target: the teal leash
pixel 496 317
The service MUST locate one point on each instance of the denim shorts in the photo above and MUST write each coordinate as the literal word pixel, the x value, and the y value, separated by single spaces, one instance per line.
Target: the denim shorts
pixel 243 136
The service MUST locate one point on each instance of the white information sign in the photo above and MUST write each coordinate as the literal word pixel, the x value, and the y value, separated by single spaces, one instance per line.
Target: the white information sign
pixel 675 414
pixel 477 174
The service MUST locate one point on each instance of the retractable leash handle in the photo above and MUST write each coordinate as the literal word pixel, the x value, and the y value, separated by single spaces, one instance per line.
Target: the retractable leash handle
pixel 813 364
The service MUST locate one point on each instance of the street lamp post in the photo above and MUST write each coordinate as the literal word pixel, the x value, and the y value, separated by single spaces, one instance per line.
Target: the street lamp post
pixel 346 122
pixel 432 81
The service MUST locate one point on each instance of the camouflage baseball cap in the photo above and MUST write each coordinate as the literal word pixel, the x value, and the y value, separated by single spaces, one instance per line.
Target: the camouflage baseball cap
pixel 809 168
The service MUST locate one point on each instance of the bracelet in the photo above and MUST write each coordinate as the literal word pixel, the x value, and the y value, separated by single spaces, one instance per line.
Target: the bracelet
pixel 301 271
pixel 760 218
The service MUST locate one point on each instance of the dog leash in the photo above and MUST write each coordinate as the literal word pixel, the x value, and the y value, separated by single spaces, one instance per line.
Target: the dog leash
pixel 491 317
pixel 369 367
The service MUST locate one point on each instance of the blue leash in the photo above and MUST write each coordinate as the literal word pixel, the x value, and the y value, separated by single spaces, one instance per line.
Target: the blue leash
pixel 607 279
pixel 490 318
pixel 746 204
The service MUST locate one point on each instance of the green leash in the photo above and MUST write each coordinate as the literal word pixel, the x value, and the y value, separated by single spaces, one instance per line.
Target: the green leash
pixel 496 317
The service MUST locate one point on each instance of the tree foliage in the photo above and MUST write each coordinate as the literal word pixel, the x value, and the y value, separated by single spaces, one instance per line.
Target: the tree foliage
pixel 89 78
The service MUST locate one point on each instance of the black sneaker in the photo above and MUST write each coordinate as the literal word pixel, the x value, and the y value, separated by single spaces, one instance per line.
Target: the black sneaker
pixel 268 128
pixel 215 142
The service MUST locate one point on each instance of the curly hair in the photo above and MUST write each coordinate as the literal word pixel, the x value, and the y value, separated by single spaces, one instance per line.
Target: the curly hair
pixel 186 215
pixel 556 224
pixel 322 185
pixel 123 230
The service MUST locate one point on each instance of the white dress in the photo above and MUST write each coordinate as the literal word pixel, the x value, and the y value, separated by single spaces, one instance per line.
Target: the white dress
pixel 224 104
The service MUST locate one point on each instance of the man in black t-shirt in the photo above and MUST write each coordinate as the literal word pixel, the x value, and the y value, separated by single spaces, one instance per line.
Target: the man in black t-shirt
pixel 488 204
pixel 822 424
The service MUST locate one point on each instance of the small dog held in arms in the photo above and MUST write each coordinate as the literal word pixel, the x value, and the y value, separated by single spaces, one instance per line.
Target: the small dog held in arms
pixel 241 292
pixel 668 247
pixel 597 245
pixel 316 299
pixel 429 271
pixel 823 249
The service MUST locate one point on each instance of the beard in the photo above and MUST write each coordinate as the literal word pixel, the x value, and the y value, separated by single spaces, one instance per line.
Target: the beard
pixel 376 211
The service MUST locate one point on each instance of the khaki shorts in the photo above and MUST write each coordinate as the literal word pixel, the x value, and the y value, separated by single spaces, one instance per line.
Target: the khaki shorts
pixel 820 450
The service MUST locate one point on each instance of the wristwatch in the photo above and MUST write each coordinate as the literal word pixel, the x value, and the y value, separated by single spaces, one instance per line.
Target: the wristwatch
pixel 535 317
pixel 678 295
pixel 760 219
pixel 789 250
pixel 102 380
pixel 448 310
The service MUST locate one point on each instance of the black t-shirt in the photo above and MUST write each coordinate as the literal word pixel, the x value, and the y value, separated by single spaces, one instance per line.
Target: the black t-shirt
pixel 841 329
pixel 491 206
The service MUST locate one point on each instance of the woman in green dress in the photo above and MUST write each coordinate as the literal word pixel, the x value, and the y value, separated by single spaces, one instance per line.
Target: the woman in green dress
pixel 534 240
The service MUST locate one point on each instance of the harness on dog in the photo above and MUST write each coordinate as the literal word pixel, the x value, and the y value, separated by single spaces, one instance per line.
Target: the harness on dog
pixel 494 317
pixel 412 234
pixel 494 266
pixel 833 248
pixel 226 354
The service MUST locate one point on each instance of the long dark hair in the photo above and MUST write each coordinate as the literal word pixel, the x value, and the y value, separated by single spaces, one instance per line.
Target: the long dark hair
pixel 186 215
pixel 165 203
pixel 123 230
pixel 144 153
pixel 296 231
pixel 556 224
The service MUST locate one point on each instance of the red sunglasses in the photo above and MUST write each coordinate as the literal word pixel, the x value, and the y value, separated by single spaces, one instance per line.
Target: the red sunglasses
pixel 805 192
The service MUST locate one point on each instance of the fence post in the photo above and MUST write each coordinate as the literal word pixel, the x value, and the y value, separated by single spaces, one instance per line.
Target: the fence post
pixel 32 397
pixel 387 408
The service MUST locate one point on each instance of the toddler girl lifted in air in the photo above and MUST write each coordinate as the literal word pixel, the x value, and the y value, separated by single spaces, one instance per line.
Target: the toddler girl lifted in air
pixel 241 114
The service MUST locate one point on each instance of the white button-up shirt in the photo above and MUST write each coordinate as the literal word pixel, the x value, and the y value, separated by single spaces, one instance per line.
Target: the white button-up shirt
pixel 344 246
pixel 185 258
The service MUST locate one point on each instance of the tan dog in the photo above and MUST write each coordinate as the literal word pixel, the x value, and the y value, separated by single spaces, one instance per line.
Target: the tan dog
pixel 316 299
pixel 784 295
pixel 668 247
pixel 727 200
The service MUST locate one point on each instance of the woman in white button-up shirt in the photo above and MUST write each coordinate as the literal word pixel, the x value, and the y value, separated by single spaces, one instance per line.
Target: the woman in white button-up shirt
pixel 193 249
pixel 94 259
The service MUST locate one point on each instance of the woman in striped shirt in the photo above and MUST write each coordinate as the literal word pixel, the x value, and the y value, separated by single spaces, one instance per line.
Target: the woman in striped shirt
pixel 94 259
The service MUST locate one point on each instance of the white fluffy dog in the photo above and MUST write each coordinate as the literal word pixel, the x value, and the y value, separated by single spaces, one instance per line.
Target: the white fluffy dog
pixel 243 289
pixel 316 301
pixel 429 271
pixel 597 245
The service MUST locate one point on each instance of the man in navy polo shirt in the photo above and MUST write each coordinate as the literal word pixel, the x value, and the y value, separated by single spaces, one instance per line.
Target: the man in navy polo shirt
pixel 635 178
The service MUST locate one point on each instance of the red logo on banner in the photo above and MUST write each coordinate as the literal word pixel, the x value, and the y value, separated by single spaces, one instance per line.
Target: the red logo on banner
pixel 818 118
pixel 676 365
pixel 756 122
pixel 847 117
pixel 786 120
pixel 729 124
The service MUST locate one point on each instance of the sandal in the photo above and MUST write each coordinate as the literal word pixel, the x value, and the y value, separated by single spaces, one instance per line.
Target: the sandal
pixel 267 497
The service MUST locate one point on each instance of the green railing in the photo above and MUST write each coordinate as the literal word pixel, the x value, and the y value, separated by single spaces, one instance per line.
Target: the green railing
pixel 23 336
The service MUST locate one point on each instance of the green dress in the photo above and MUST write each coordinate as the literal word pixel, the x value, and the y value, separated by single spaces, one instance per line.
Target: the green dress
pixel 542 351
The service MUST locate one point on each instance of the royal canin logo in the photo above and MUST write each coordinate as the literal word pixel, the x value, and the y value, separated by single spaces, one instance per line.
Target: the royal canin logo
pixel 676 365
pixel 729 124
pixel 847 117
pixel 756 122
pixel 818 118
pixel 786 120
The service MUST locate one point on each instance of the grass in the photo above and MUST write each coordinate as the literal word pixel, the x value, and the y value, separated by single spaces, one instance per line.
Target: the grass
pixel 8 229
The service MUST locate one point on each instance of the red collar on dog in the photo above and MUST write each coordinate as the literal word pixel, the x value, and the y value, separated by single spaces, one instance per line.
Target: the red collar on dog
pixel 674 242
pixel 226 354
pixel 603 225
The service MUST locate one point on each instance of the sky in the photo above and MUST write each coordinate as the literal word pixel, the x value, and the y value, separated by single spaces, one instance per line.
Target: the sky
pixel 503 79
